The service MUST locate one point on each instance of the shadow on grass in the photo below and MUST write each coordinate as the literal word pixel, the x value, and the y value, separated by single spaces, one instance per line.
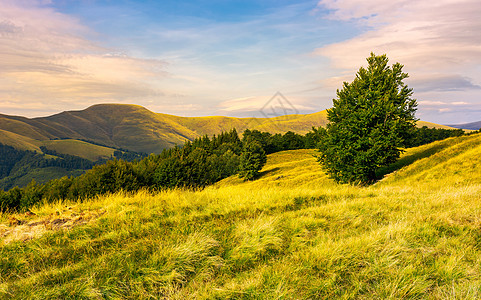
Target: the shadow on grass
pixel 409 159
pixel 267 172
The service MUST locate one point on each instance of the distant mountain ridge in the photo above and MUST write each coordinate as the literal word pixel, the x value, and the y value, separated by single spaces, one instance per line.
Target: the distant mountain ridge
pixel 470 126
pixel 138 129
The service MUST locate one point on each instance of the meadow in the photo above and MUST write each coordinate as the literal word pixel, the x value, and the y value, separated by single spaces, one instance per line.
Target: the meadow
pixel 291 234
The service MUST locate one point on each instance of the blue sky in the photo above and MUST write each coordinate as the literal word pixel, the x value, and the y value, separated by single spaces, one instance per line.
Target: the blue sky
pixel 197 58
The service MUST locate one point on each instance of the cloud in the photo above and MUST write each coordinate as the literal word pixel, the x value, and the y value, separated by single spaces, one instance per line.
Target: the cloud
pixel 442 103
pixel 244 104
pixel 440 35
pixel 46 61
pixel 435 82
pixel 275 105
pixel 371 10
pixel 438 43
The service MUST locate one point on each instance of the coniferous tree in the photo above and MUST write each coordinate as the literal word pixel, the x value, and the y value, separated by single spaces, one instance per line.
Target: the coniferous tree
pixel 372 117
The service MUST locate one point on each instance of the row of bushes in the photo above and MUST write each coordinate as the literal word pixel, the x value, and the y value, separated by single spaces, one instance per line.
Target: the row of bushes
pixel 427 135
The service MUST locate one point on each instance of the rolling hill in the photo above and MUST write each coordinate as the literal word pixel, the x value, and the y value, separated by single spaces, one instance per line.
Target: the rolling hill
pixel 291 234
pixel 136 128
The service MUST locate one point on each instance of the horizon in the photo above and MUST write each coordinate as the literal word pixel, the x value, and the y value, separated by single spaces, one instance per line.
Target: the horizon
pixel 230 58
pixel 201 116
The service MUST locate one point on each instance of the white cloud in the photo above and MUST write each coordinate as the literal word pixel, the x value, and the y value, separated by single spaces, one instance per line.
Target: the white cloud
pixel 420 34
pixel 437 41
pixel 243 104
pixel 442 103
pixel 425 102
pixel 45 63
pixel 273 105
pixel 442 82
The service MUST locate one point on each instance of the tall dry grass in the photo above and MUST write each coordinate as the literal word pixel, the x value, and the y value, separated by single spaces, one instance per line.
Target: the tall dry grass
pixel 291 234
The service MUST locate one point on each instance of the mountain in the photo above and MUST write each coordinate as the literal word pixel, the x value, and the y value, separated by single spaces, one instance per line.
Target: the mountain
pixel 470 126
pixel 138 129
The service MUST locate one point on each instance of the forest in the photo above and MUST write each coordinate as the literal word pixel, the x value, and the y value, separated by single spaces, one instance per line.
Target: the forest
pixel 16 164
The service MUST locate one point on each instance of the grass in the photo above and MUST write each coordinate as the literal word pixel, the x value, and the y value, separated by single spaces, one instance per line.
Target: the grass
pixel 18 141
pixel 79 148
pixel 291 234
pixel 42 175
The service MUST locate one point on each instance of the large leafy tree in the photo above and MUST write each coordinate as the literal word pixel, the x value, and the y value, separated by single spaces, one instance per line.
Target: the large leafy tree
pixel 252 159
pixel 372 118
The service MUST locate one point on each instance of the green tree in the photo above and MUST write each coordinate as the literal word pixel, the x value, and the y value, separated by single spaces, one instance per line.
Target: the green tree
pixel 252 159
pixel 372 117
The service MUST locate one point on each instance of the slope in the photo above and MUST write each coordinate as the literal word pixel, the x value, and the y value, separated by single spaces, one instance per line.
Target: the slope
pixel 292 234
pixel 80 149
pixel 450 162
pixel 432 125
pixel 19 141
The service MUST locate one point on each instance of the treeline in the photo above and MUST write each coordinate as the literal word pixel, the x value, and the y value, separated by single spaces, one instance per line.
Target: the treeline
pixel 66 161
pixel 119 153
pixel 129 155
pixel 289 141
pixel 195 165
pixel 425 135
pixel 16 164
pixel 122 150
pixel 9 156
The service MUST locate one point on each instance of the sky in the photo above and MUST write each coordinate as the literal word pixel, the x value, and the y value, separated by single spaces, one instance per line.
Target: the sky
pixel 201 58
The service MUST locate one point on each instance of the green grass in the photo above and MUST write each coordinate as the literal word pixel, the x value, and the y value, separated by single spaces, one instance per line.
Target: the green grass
pixel 41 175
pixel 291 234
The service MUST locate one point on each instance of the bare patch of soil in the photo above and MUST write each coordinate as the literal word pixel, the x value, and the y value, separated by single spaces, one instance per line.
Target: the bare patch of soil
pixel 27 226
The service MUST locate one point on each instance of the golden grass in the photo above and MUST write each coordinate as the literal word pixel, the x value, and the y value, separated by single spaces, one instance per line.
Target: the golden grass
pixel 291 234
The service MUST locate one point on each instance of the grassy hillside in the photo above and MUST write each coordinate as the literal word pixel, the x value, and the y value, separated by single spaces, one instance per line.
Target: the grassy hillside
pixel 72 147
pixel 22 126
pixel 136 128
pixel 432 125
pixel 79 148
pixel 40 175
pixel 19 141
pixel 291 234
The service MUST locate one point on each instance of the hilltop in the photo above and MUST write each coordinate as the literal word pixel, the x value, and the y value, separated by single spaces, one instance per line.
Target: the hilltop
pixel 291 234
pixel 138 129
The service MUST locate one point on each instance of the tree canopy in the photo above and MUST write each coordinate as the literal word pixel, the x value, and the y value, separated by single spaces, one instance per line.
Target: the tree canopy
pixel 371 119
pixel 252 159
